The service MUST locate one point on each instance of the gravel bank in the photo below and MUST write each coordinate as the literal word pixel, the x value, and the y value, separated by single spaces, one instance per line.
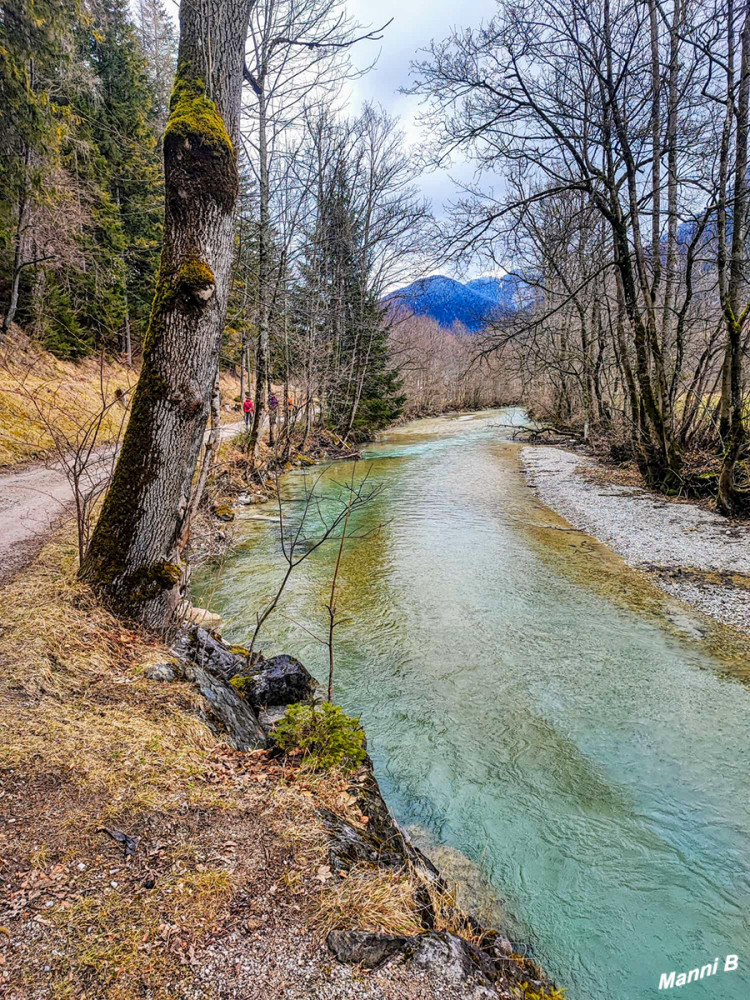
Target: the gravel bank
pixel 689 552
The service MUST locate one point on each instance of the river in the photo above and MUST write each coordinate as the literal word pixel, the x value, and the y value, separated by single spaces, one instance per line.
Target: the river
pixel 530 703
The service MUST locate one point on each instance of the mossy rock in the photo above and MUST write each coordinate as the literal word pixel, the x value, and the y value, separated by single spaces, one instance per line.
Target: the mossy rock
pixel 224 512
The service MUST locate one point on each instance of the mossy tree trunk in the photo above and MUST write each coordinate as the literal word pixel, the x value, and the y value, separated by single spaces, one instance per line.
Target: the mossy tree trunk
pixel 133 559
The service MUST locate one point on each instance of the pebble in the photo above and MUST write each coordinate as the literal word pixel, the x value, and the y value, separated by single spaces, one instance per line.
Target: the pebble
pixel 649 532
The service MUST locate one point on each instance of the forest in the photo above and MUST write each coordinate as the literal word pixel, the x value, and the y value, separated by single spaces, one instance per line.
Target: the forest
pixel 327 214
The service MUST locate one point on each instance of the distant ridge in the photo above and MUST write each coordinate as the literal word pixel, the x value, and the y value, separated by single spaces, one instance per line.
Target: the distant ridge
pixel 472 303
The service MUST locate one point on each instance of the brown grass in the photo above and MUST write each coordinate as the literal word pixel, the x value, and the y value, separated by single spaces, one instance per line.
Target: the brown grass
pixel 372 899
pixel 367 897
pixel 88 743
pixel 39 392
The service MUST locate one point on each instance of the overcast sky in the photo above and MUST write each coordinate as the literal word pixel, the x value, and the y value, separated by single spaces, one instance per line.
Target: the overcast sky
pixel 415 24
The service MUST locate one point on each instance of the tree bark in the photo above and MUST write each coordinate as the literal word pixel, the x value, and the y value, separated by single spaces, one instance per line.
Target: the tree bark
pixel 732 498
pixel 133 560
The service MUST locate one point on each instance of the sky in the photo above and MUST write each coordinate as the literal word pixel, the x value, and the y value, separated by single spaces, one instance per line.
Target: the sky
pixel 415 24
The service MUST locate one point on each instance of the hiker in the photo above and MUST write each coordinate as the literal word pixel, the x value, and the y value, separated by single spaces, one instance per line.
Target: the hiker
pixel 248 409
pixel 272 401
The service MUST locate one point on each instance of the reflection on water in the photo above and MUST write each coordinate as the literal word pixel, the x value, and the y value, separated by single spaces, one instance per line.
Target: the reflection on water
pixel 532 704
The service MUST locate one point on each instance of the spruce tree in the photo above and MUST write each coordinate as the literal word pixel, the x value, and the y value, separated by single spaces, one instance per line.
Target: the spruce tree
pixel 124 135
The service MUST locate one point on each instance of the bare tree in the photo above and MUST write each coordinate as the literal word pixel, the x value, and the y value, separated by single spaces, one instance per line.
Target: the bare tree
pixel 297 544
pixel 295 49
pixel 619 147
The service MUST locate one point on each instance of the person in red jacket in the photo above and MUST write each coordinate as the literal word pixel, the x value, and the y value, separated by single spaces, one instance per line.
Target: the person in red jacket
pixel 248 409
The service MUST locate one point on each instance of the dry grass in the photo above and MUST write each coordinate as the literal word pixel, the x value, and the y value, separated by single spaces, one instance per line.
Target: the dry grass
pixel 367 897
pixel 371 899
pixel 87 743
pixel 111 946
pixel 38 392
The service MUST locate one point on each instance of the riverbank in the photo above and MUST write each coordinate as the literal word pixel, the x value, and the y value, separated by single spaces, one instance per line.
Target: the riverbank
pixel 145 850
pixel 689 552
pixel 519 685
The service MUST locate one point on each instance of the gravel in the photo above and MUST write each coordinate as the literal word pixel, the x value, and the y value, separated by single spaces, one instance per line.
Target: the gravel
pixel 677 543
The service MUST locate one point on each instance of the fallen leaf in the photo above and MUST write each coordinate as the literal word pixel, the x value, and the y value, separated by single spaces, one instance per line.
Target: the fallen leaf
pixel 324 873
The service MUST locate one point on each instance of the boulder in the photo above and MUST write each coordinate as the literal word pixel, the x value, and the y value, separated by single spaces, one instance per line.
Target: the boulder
pixel 364 948
pixel 225 712
pixel 270 716
pixel 451 957
pixel 350 845
pixel 204 650
pixel 445 956
pixel 282 680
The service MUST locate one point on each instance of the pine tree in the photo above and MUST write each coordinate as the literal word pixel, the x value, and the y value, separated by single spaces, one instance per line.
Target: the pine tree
pixel 80 214
pixel 158 40
pixel 36 45
pixel 123 131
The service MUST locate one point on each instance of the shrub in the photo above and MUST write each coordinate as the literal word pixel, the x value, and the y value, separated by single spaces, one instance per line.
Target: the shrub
pixel 327 736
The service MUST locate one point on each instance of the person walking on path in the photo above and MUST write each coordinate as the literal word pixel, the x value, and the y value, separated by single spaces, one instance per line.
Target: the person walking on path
pixel 248 409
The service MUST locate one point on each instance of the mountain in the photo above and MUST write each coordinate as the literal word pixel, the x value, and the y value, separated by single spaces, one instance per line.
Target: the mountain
pixel 507 294
pixel 473 303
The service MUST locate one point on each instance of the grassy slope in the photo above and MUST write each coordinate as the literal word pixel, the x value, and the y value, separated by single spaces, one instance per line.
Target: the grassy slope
pixel 40 394
pixel 232 854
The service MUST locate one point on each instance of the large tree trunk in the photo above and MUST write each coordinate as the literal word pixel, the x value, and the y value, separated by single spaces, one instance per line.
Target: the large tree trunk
pixel 133 560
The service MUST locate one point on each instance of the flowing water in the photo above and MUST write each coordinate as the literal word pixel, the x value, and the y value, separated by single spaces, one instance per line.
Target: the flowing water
pixel 530 703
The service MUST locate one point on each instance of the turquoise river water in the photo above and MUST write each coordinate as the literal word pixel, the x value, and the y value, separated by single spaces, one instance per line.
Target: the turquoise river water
pixel 530 703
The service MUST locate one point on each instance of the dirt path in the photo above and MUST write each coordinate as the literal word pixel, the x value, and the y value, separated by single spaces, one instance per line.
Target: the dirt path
pixel 33 500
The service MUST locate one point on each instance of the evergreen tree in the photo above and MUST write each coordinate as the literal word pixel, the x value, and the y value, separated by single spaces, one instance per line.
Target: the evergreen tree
pixel 80 213
pixel 158 40
pixel 35 39
pixel 123 133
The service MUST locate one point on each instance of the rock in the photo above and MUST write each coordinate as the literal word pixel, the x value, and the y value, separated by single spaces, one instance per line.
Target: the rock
pixel 161 672
pixel 364 948
pixel 282 680
pixel 497 946
pixel 226 712
pixel 451 957
pixel 199 616
pixel 350 845
pixel 382 841
pixel 224 512
pixel 199 646
pixel 269 717
pixel 445 956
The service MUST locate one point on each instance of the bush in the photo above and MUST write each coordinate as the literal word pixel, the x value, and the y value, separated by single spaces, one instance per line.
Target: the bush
pixel 327 736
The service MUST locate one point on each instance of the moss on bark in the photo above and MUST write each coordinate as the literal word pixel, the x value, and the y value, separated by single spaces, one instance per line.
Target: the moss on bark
pixel 197 147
